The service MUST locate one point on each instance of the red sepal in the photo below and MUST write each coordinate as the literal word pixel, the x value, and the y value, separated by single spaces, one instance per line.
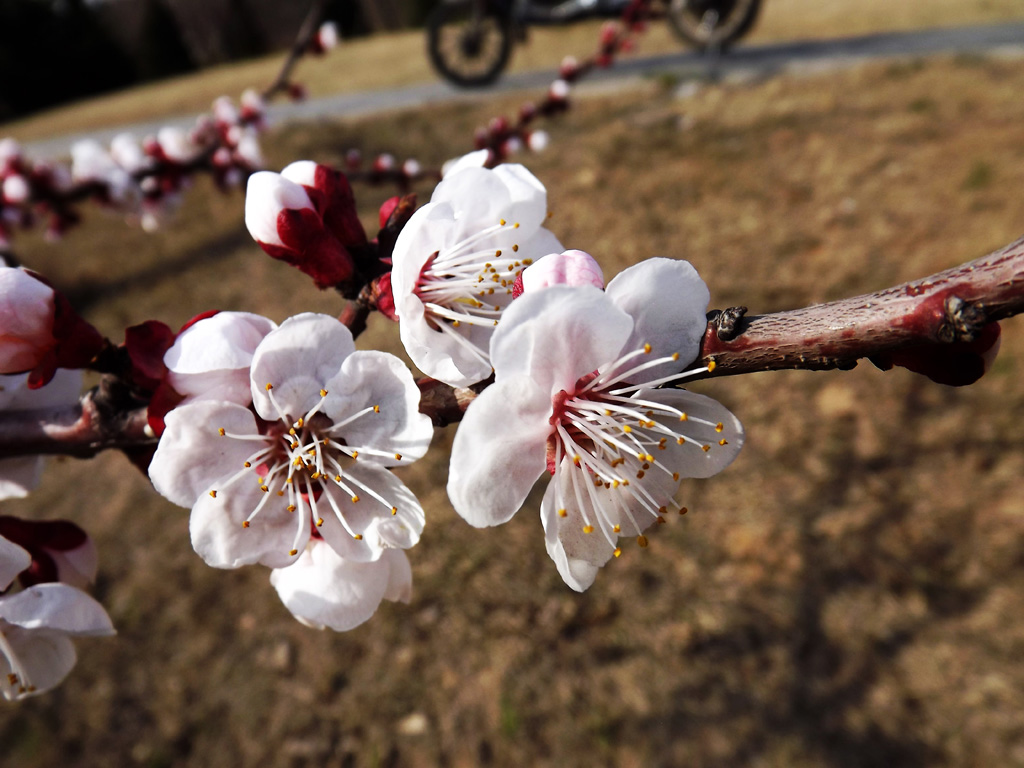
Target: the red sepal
pixel 956 365
pixel 146 345
pixel 36 537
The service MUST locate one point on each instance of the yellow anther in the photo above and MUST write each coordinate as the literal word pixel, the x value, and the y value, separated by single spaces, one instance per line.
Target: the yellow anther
pixel 719 427
pixel 358 537
pixel 647 349
pixel 221 432
pixel 675 476
pixel 323 393
pixel 527 262
pixel 355 499
pixel 641 540
pixel 280 493
pixel 355 454
pixel 711 366
pixel 562 513
pixel 588 529
pixel 12 679
pixel 705 448
pixel 649 459
pixel 515 247
pixel 291 507
pixel 618 461
pixel 616 528
pixel 315 476
pixel 291 431
pixel 297 461
pixel 264 489
pixel 213 494
pixel 394 510
pixel 675 356
pixel 503 222
pixel 245 523
pixel 607 412
pixel 456 324
pixel 497 254
pixel 247 464
pixel 723 441
pixel 683 510
pixel 319 522
pixel 337 478
pixel 293 445
pixel 640 475
pixel 293 552
pixel 269 386
pixel 683 417
pixel 300 422
pixel 680 440
pixel 617 552
pixel 615 483
pixel 376 409
pixel 515 226
pixel 398 457
pixel 660 520
pixel 627 429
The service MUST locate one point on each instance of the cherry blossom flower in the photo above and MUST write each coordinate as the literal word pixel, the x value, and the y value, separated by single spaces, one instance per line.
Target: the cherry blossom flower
pixel 36 624
pixel 456 260
pixel 20 475
pixel 575 392
pixel 310 465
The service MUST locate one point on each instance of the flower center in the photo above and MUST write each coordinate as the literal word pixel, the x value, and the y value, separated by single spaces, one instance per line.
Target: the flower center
pixel 299 459
pixel 609 449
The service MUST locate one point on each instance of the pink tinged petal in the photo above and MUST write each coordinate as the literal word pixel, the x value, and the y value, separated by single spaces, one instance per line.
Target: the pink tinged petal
pixel 76 567
pixel 558 335
pixel 370 518
pixel 426 232
pixel 211 358
pixel 267 194
pixel 45 657
pixel 479 198
pixel 499 451
pixel 13 560
pixel 529 199
pixel 193 457
pixel 703 415
pixel 473 160
pixel 399 577
pixel 668 303
pixel 323 590
pixel 398 430
pixel 19 476
pixel 578 556
pixel 567 268
pixel 219 537
pixel 440 355
pixel 26 320
pixel 56 607
pixel 298 359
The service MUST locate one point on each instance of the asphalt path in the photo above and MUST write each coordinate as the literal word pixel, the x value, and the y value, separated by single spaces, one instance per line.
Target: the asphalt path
pixel 744 60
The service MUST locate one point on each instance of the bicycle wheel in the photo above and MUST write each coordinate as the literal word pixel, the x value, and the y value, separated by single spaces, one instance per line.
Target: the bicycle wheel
pixel 469 41
pixel 712 23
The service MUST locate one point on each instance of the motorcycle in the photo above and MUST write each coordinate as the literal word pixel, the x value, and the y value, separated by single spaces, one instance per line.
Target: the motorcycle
pixel 470 41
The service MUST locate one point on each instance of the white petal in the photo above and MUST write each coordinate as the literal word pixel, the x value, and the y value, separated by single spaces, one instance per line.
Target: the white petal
pixel 193 456
pixel 472 160
pixel 226 340
pixel 76 567
pixel 479 199
pixel 57 607
pixel 529 198
pixel 219 537
pixel 668 303
pixel 499 451
pixel 426 232
pixel 567 268
pixel 323 590
pixel 399 578
pixel 704 414
pixel 13 560
pixel 557 335
pixel 298 359
pixel 369 378
pixel 26 319
pixel 577 572
pixel 440 355
pixel 301 172
pixel 46 658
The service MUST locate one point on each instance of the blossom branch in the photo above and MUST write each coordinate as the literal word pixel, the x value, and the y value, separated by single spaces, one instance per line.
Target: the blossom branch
pixel 946 307
pixel 282 83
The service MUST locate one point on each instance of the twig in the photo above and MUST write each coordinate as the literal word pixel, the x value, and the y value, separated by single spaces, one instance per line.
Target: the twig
pixel 299 48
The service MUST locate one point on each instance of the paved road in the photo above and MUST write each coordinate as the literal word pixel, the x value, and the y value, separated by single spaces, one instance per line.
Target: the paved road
pixel 755 59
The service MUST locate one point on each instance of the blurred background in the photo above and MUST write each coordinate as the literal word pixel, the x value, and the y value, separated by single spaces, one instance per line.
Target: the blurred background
pixel 849 593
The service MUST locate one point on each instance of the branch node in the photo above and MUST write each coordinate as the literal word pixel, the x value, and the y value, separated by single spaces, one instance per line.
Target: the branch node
pixel 726 322
pixel 962 321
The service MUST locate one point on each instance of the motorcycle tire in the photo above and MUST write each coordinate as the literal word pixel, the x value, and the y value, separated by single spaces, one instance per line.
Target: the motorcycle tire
pixel 469 42
pixel 735 18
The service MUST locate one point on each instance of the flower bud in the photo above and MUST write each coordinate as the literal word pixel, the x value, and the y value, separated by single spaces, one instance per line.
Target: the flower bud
pixel 26 317
pixel 16 189
pixel 567 268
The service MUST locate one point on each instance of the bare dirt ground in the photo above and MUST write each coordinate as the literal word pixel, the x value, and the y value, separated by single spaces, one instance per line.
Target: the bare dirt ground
pixel 848 593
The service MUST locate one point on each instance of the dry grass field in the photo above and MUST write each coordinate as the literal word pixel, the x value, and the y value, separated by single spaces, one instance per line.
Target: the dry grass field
pixel 849 593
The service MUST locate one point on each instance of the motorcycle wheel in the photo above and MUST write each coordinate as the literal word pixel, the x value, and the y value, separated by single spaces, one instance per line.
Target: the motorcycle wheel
pixel 469 41
pixel 712 23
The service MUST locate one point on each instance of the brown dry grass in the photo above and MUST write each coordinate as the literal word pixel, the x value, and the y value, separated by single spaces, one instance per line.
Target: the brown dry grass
pixel 398 59
pixel 848 593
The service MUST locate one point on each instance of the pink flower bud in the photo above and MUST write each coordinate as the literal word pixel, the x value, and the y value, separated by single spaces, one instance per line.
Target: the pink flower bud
pixel 569 68
pixel 353 160
pixel 281 217
pixel 332 197
pixel 538 141
pixel 384 162
pixel 10 155
pixel 327 36
pixel 411 168
pixel 224 111
pixel 26 320
pixel 175 145
pixel 566 268
pixel 559 90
